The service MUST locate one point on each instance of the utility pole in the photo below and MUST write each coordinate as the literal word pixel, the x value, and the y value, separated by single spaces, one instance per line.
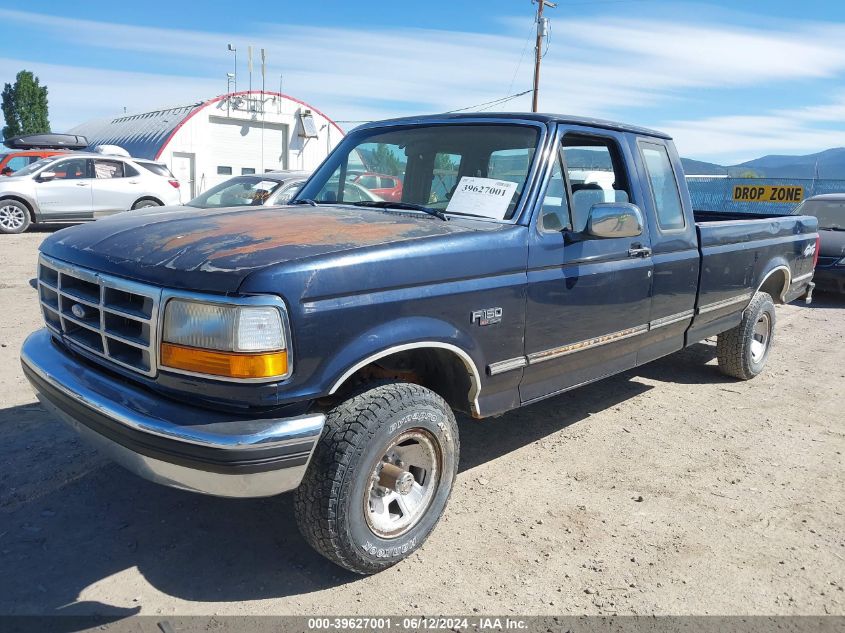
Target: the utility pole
pixel 542 31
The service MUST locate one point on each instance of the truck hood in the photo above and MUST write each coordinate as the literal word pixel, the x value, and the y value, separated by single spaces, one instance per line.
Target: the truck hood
pixel 214 250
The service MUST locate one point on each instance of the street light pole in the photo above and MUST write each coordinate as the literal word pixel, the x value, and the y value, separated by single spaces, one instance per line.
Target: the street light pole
pixel 230 77
pixel 235 74
pixel 542 30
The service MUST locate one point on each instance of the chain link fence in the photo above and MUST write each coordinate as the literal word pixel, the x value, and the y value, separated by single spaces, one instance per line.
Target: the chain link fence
pixel 711 193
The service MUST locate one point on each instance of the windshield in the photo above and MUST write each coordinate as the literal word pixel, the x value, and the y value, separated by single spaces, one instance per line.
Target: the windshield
pixel 34 167
pixel 831 213
pixel 237 192
pixel 464 169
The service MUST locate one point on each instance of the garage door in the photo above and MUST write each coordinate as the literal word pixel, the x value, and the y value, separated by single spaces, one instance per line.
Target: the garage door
pixel 242 146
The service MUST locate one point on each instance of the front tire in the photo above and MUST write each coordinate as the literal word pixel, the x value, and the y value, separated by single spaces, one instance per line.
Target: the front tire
pixel 380 476
pixel 145 203
pixel 14 217
pixel 743 350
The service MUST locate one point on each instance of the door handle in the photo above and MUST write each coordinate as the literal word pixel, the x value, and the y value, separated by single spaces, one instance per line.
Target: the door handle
pixel 639 251
pixel 82 184
pixel 134 182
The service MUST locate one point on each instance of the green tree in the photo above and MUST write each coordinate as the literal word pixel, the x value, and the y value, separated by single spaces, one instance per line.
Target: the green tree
pixel 24 106
pixel 384 161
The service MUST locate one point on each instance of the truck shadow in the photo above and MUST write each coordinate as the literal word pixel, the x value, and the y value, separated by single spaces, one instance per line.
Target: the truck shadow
pixel 823 299
pixel 61 544
pixel 51 228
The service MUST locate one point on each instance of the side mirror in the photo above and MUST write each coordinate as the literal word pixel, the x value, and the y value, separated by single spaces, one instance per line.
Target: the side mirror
pixel 46 175
pixel 614 219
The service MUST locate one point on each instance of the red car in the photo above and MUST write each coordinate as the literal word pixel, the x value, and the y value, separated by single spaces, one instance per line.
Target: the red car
pixel 18 159
pixel 385 187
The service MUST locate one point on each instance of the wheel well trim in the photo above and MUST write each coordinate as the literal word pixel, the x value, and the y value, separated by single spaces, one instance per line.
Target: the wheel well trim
pixel 471 367
pixel 786 285
pixel 32 208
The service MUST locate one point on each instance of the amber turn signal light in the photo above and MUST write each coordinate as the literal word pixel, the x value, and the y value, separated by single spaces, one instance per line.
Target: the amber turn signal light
pixel 228 364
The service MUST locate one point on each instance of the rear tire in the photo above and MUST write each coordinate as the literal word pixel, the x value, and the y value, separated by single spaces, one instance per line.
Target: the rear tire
pixel 380 476
pixel 743 350
pixel 145 203
pixel 14 217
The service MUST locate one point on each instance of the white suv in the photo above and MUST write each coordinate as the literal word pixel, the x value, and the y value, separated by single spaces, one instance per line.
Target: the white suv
pixel 80 186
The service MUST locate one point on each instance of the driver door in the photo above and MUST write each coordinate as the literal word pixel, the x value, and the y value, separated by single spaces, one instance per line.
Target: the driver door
pixel 67 196
pixel 588 299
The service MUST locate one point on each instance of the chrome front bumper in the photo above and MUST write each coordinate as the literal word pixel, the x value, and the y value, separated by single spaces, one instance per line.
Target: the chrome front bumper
pixel 169 442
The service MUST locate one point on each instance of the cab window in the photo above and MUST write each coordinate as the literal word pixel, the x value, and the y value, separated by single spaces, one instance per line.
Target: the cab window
pixel 71 169
pixel 596 172
pixel 18 162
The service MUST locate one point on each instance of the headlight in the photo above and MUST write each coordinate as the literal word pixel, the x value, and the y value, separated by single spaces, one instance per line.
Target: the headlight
pixel 841 262
pixel 232 341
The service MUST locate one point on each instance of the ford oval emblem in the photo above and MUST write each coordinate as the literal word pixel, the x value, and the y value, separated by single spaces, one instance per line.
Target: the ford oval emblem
pixel 78 311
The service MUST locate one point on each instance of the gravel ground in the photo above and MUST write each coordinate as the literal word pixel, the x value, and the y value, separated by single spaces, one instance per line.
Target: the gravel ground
pixel 666 490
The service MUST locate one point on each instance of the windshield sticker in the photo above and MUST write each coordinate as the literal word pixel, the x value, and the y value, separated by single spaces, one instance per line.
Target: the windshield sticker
pixel 487 197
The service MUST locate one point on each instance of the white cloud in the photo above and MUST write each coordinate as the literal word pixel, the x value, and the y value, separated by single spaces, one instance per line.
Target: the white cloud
pixel 603 67
pixel 78 94
pixel 735 139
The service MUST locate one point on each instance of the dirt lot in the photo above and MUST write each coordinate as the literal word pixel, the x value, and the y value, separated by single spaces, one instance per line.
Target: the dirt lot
pixel 667 490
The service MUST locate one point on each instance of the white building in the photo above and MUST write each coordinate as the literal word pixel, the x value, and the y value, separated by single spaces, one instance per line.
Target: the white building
pixel 206 142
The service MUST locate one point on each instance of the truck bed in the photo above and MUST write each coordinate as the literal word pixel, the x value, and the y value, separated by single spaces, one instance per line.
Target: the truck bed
pixel 740 254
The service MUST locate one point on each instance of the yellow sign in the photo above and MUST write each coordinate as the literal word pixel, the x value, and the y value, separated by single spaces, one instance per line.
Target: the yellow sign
pixel 768 193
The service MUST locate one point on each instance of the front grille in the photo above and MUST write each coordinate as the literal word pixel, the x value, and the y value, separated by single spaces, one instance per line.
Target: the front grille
pixel 110 317
pixel 824 262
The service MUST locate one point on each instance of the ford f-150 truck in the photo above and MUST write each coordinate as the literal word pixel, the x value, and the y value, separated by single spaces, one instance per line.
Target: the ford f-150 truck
pixel 324 346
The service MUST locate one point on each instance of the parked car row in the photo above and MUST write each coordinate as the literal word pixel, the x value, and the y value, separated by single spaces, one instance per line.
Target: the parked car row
pixel 56 185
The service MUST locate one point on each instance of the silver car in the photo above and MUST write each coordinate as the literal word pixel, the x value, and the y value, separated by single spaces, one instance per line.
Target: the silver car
pixel 274 187
pixel 80 186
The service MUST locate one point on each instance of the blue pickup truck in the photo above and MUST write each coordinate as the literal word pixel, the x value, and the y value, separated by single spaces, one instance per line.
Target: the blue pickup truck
pixel 325 346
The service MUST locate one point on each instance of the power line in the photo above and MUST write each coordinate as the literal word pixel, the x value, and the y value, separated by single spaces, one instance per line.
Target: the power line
pixel 478 106
pixel 490 103
pixel 522 56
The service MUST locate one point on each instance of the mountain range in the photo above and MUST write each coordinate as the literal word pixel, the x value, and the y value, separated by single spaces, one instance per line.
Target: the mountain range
pixel 829 164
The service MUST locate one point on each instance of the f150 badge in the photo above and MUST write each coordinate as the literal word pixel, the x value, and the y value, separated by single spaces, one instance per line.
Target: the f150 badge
pixel 488 316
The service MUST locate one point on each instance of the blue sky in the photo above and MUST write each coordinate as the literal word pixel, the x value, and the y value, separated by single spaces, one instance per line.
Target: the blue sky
pixel 729 83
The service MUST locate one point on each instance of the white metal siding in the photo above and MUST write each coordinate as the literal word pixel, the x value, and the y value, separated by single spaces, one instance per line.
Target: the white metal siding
pixel 238 144
pixel 228 133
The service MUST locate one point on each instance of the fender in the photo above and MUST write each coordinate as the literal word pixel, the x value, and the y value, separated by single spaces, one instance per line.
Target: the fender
pixel 27 200
pixel 777 264
pixel 401 335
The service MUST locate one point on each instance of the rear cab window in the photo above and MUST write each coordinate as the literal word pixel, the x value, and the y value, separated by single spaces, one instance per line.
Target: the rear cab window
pixel 664 187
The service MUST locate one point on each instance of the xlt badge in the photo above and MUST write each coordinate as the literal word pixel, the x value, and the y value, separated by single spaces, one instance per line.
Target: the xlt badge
pixel 488 316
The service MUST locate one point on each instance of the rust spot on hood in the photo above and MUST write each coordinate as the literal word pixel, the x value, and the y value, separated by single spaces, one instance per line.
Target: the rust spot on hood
pixel 243 233
pixel 238 239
